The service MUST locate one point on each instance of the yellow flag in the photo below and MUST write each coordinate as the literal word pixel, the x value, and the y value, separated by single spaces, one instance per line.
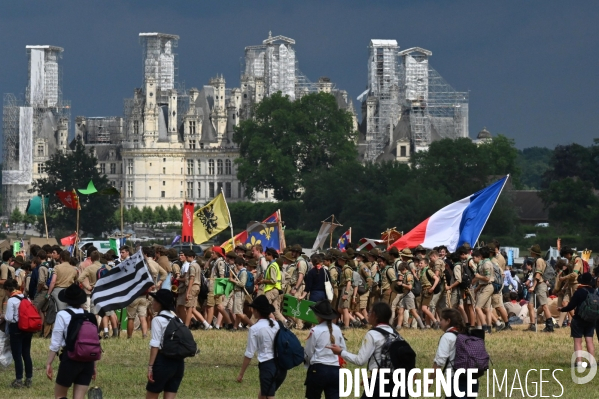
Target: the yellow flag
pixel 210 220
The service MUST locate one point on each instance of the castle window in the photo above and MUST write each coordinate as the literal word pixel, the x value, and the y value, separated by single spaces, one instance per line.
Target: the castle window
pixel 192 127
pixel 192 144
pixel 211 189
pixel 40 168
pixel 164 171
pixel 211 167
pixel 199 167
pixel 190 189
pixel 40 150
pixel 130 166
pixel 164 183
pixel 402 151
pixel 129 189
pixel 227 190
pixel 112 168
pixel 227 167
pixel 199 190
pixel 163 194
pixel 103 168
pixel 190 167
pixel 135 127
pixel 219 167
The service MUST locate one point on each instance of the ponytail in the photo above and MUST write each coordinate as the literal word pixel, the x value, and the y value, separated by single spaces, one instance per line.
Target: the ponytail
pixel 270 322
pixel 330 326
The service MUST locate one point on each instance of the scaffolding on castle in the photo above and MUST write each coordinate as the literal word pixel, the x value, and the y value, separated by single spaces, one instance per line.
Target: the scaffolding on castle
pixel 104 130
pixel 160 61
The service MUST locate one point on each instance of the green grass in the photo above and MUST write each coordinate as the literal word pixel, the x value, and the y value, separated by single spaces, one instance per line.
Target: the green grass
pixel 122 370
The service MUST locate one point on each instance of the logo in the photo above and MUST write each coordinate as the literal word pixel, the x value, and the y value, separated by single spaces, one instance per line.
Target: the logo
pixel 588 363
pixel 253 242
pixel 267 231
pixel 188 216
pixel 208 219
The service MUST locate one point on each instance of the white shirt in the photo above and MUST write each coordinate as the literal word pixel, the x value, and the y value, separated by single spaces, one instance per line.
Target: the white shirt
pixel 371 345
pixel 261 339
pixel 315 350
pixel 446 350
pixel 184 268
pixel 12 310
pixel 59 332
pixel 158 327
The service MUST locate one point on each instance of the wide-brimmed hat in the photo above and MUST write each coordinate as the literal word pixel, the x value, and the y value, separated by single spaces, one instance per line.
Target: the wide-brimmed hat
pixel 363 254
pixel 374 252
pixel 252 262
pixel 324 310
pixel 297 248
pixel 72 295
pixel 406 252
pixel 165 298
pixel 343 256
pixel 172 254
pixel 585 279
pixel 262 305
pixel 241 247
pixel 231 254
pixel 535 249
pixel 350 252
pixel 419 248
pixel 394 251
pixel 19 260
pixel 218 250
pixel 288 256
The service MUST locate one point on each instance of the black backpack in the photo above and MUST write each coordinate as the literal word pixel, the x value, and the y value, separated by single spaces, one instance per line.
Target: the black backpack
pixel 438 287
pixel 466 277
pixel 203 295
pixel 177 341
pixel 396 353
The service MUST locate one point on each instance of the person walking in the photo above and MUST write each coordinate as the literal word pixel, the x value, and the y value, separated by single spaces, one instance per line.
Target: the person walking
pixel 316 278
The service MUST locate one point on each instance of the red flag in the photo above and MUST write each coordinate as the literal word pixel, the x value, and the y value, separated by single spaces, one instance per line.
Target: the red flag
pixel 68 199
pixel 187 232
pixel 69 240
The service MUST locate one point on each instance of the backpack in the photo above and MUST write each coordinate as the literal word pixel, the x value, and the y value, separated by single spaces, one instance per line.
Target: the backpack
pixel 29 318
pixel 358 281
pixel 438 287
pixel 289 352
pixel 466 277
pixel 203 294
pixel 227 270
pixel 177 341
pixel 249 284
pixel 498 279
pixel 396 353
pixel 416 288
pixel 82 342
pixel 102 271
pixel 338 274
pixel 549 274
pixel 50 274
pixel 588 310
pixel 470 353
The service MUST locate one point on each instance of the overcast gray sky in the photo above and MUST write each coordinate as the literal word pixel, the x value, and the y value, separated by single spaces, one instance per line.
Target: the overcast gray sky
pixel 531 67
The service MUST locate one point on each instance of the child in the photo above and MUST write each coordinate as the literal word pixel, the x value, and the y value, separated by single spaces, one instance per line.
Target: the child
pixel 20 342
pixel 323 370
pixel 261 339
pixel 452 323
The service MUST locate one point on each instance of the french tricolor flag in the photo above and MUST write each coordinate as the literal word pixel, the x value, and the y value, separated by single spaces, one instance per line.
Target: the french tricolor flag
pixel 457 223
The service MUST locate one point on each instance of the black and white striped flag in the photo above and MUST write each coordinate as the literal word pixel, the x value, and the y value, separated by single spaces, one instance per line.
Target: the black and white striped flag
pixel 122 284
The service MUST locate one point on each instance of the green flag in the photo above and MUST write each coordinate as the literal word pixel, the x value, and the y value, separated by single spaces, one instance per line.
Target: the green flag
pixel 113 245
pixel 34 207
pixel 222 286
pixel 16 247
pixel 91 189
pixel 109 191
pixel 300 309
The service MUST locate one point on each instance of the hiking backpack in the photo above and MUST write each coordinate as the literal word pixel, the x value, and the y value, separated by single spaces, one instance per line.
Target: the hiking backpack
pixel 358 281
pixel 416 287
pixel 438 287
pixel 466 276
pixel 50 274
pixel 203 294
pixel 289 352
pixel 82 341
pixel 470 353
pixel 29 318
pixel 549 274
pixel 396 353
pixel 249 284
pixel 177 341
pixel 497 280
pixel 588 310
pixel 102 271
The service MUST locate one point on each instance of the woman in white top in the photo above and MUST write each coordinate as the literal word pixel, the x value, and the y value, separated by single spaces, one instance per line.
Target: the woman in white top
pixel 323 364
pixel 261 338
pixel 20 341
pixel 70 372
pixel 452 323
pixel 370 351
pixel 164 374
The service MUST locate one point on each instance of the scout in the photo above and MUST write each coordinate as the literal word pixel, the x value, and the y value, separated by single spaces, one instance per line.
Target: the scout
pixel 345 289
pixel 539 288
pixel 406 282
pixel 484 290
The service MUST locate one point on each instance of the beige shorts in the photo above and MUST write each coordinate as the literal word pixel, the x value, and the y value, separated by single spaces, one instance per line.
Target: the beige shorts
pixel 541 294
pixel 181 295
pixel 345 304
pixel 228 302
pixel 457 297
pixel 138 307
pixel 425 298
pixel 299 291
pixel 192 302
pixel 364 300
pixel 212 301
pixel 238 300
pixel 497 301
pixel 272 296
pixel 39 299
pixel 407 302
pixel 483 299
pixel 435 300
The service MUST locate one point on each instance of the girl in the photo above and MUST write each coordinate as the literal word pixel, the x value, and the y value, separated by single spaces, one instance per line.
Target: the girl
pixel 323 370
pixel 578 327
pixel 20 342
pixel 316 278
pixel 370 351
pixel 69 371
pixel 164 374
pixel 452 323
pixel 261 339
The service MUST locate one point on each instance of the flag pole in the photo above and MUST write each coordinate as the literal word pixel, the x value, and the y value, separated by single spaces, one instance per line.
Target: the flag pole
pixel 230 219
pixel 495 203
pixel 282 242
pixel 349 235
pixel 45 221
pixel 331 235
pixel 122 224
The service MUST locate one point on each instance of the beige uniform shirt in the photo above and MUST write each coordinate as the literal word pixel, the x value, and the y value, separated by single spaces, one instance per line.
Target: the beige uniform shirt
pixel 65 275
pixel 194 271
pixel 485 269
pixel 408 279
pixel 346 275
pixel 500 262
pixel 539 269
pixel 43 276
pixel 387 278
pixel 158 273
pixel 91 274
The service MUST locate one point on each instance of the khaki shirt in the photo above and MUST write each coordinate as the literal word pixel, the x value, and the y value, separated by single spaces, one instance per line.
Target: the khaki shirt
pixel 165 264
pixel 242 278
pixel 500 262
pixel 217 271
pixel 334 275
pixel 365 273
pixel 158 273
pixel 4 271
pixel 43 276
pixel 485 269
pixel 457 273
pixel 347 274
pixel 388 276
pixel 539 269
pixel 424 279
pixel 194 271
pixel 176 269
pixel 298 267
pixel 577 268
pixel 65 275
pixel 439 266
pixel 408 279
pixel 91 274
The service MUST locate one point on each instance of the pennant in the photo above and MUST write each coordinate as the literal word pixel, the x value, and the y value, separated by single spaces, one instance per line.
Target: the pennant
pixel 69 240
pixel 187 225
pixel 91 189
pixel 325 229
pixel 266 234
pixel 36 206
pixel 344 240
pixel 240 238
pixel 68 199
pixel 211 219
pixel 114 245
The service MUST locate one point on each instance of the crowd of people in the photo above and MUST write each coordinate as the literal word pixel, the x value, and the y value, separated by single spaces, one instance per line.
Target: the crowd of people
pixel 386 291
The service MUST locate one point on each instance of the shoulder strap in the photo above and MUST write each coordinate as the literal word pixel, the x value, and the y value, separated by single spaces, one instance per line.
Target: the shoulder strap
pixel 165 316
pixel 69 311
pixel 380 330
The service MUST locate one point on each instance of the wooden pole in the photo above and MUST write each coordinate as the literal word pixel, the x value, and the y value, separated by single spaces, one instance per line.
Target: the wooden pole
pixel 45 221
pixel 331 234
pixel 122 224
pixel 230 220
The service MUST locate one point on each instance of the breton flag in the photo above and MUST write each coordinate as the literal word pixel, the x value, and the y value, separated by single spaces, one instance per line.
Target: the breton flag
pixel 122 284
pixel 457 223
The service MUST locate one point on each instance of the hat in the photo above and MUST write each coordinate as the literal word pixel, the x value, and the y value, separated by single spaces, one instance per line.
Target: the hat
pixel 72 295
pixel 419 248
pixel 19 260
pixel 350 252
pixel 467 246
pixel 111 254
pixel 231 254
pixel 297 248
pixel 288 256
pixel 343 256
pixel 249 253
pixel 335 252
pixel 262 305
pixel 324 310
pixel 394 251
pixel 535 249
pixel 240 247
pixel 406 253
pixel 165 298
pixel 374 252
pixel 363 254
pixel 207 254
pixel 218 250
pixel 279 261
pixel 252 262
pixel 585 279
pixel 493 247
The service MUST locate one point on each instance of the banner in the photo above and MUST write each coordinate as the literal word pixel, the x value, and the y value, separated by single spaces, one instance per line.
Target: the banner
pixel 91 189
pixel 68 199
pixel 300 309
pixel 187 226
pixel 210 220
pixel 325 229
pixel 69 240
pixel 36 207
pixel 266 234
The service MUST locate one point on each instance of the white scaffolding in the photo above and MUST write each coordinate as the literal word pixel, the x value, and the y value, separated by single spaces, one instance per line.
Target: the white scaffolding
pixel 160 62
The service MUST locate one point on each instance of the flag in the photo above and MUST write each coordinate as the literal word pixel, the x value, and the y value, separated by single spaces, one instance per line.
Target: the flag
pixel 240 238
pixel 91 189
pixel 457 223
pixel 325 229
pixel 69 240
pixel 176 240
pixel 122 284
pixel 187 225
pixel 266 234
pixel 68 199
pixel 211 219
pixel 274 218
pixel 368 243
pixel 16 248
pixel 116 243
pixel 344 240
pixel 36 207
pixel 391 235
pixel 109 191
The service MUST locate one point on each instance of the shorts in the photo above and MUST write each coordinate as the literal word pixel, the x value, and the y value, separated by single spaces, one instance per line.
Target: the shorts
pixel 181 299
pixel 497 301
pixel 580 328
pixel 483 299
pixel 228 302
pixel 39 299
pixel 563 296
pixel 344 304
pixel 212 301
pixel 71 372
pixel 364 300
pixel 271 377
pixel 388 297
pixel 321 379
pixel 238 299
pixel 442 301
pixel 435 300
pixel 457 297
pixel 407 302
pixel 540 294
pixel 194 291
pixel 425 298
pixel 138 307
pixel 168 374
pixel 110 313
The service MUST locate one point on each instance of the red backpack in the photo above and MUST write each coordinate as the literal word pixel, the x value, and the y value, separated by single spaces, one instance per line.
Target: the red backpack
pixel 29 318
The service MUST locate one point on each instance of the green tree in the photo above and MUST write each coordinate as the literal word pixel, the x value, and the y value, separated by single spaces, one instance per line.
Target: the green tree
pixel 573 160
pixel 286 141
pixel 135 215
pixel 16 216
pixel 29 218
pixel 571 202
pixel 68 170
pixel 160 214
pixel 147 215
pixel 502 156
pixel 533 163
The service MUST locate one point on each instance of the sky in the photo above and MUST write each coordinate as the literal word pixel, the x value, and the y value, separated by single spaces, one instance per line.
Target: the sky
pixel 531 67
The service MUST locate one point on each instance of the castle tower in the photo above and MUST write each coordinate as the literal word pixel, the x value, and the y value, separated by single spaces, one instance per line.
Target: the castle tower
pixel 150 132
pixel 172 116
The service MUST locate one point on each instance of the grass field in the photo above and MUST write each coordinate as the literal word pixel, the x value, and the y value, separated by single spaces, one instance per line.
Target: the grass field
pixel 121 372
